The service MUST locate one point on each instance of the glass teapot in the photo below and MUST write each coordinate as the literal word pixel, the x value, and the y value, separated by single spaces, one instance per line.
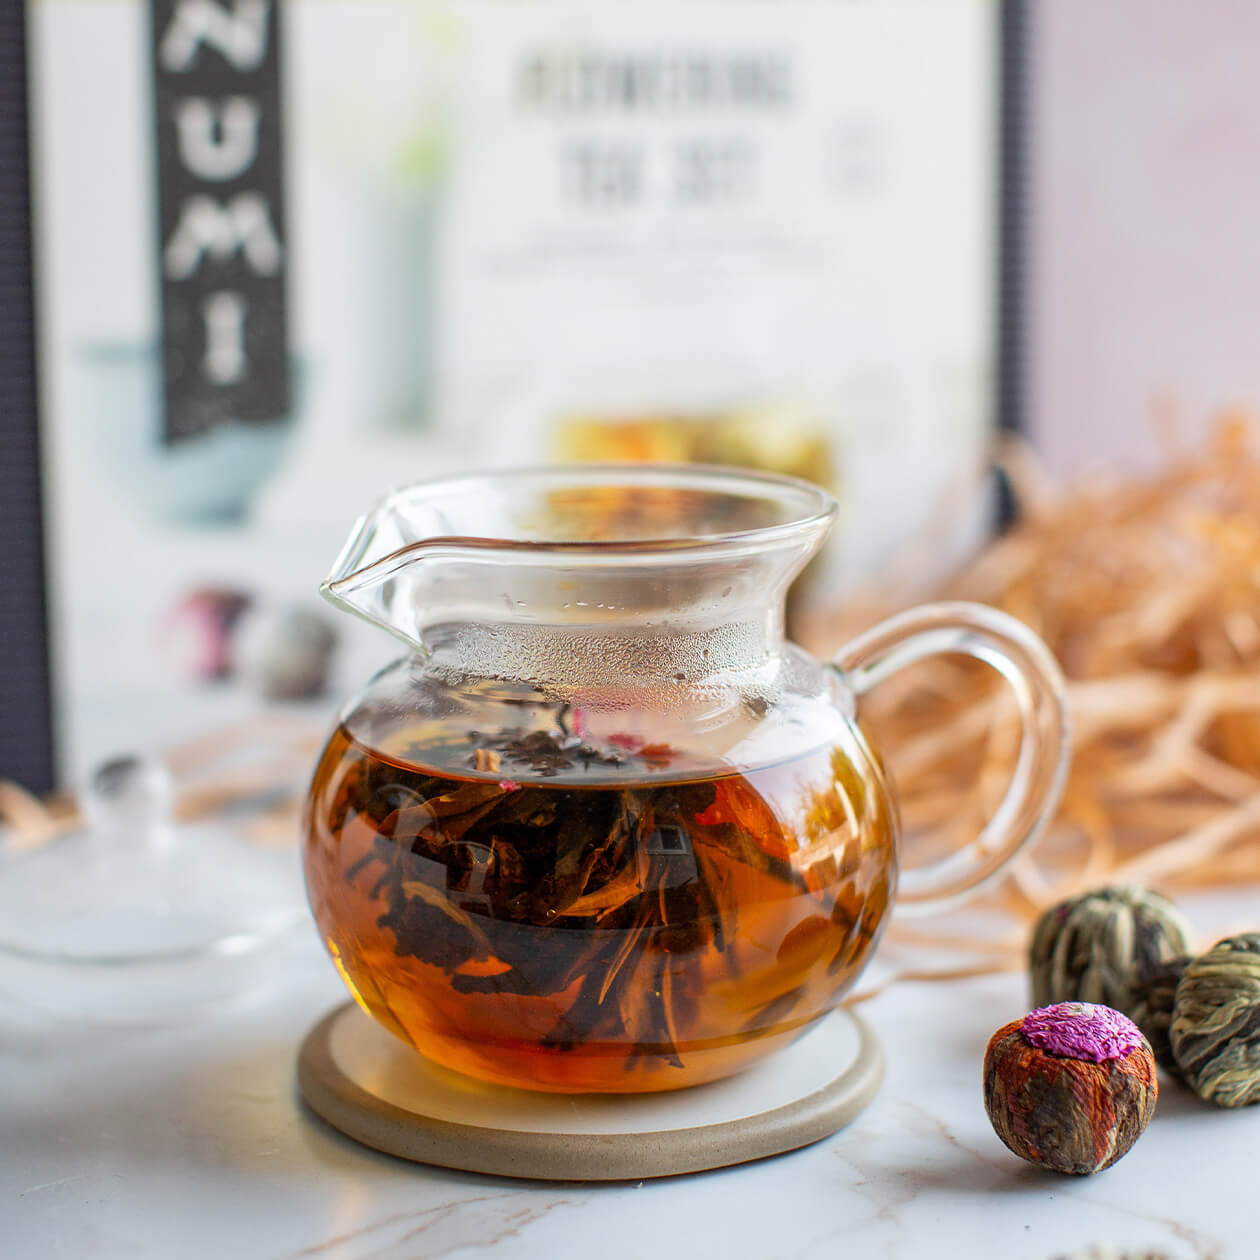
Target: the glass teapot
pixel 601 827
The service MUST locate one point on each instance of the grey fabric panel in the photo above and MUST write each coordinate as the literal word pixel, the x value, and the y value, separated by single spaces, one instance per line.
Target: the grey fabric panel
pixel 26 750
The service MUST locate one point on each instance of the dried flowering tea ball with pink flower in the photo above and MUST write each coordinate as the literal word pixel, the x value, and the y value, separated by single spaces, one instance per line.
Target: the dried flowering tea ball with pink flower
pixel 1070 1087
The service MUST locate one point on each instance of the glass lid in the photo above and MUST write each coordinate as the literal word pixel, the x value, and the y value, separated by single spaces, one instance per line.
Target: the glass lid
pixel 93 922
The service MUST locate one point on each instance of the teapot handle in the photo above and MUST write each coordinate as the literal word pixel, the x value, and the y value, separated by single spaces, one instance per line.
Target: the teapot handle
pixel 1012 649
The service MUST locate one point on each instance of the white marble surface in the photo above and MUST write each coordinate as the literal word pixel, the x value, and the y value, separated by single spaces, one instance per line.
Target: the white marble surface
pixel 188 1142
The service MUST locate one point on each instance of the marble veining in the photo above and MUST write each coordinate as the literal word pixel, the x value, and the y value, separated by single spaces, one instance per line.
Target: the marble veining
pixel 190 1143
pixel 479 1221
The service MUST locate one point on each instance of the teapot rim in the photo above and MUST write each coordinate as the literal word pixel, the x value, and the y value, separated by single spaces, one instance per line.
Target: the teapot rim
pixel 397 537
pixel 821 511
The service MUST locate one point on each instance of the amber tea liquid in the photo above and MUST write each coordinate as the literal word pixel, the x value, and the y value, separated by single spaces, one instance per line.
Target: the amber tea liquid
pixel 658 928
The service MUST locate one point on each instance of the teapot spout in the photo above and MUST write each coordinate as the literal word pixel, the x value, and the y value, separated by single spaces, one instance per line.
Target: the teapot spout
pixel 377 575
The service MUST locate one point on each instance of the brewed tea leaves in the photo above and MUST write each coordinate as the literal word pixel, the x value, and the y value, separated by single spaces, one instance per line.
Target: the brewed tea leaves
pixel 539 752
pixel 598 897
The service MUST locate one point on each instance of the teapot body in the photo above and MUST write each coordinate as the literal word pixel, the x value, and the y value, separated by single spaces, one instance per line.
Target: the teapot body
pixel 603 828
pixel 635 889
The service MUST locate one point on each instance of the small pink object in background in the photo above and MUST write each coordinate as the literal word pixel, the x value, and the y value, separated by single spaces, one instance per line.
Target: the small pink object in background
pixel 198 632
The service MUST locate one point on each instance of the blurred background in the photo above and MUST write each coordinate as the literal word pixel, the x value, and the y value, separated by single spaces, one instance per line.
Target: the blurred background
pixel 846 239
pixel 1143 260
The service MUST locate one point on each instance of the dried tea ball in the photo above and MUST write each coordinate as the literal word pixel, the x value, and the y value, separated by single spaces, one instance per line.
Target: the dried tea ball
pixel 1100 947
pixel 1215 1031
pixel 1152 1012
pixel 286 652
pixel 1070 1087
pixel 1110 1253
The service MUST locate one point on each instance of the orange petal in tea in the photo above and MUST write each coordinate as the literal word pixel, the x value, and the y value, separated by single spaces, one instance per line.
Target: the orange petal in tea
pixel 735 802
pixel 807 942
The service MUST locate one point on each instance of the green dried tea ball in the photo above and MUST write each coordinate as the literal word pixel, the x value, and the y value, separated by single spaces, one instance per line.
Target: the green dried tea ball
pixel 1215 1031
pixel 1110 1253
pixel 1102 947
pixel 1152 1012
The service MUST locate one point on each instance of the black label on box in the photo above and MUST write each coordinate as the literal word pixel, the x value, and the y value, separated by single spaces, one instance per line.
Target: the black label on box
pixel 222 247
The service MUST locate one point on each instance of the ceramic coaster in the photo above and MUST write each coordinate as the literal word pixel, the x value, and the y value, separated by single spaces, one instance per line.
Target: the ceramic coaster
pixel 366 1083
